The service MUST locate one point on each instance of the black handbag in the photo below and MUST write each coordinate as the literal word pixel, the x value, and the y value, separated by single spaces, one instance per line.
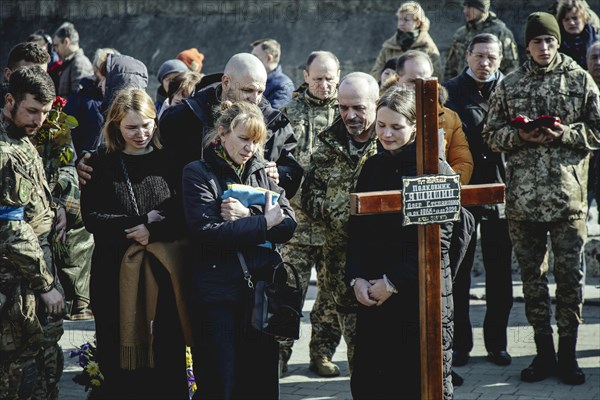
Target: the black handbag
pixel 275 306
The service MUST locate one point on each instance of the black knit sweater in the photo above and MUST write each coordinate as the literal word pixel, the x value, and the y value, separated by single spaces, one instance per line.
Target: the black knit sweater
pixel 107 206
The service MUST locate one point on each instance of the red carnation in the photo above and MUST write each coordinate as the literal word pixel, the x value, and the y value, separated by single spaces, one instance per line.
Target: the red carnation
pixel 59 102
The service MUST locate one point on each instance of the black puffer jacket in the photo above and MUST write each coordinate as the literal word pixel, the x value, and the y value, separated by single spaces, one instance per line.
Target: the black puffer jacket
pixel 216 272
pixel 183 127
pixel 122 72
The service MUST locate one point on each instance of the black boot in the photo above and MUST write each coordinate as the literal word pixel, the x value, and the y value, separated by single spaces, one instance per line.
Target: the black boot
pixel 568 368
pixel 544 363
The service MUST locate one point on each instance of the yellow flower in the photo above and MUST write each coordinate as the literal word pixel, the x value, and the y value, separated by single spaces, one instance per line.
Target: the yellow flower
pixel 95 382
pixel 92 368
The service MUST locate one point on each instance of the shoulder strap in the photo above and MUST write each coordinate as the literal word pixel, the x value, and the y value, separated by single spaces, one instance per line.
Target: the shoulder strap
pixel 247 276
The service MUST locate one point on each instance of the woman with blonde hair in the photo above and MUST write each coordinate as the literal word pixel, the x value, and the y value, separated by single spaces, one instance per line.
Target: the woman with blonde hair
pixel 231 359
pixel 412 34
pixel 577 29
pixel 130 203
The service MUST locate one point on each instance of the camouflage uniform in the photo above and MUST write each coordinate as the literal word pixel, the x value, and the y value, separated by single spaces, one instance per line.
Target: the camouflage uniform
pixel 335 168
pixel 30 359
pixel 456 61
pixel 546 183
pixel 310 116
pixel 74 261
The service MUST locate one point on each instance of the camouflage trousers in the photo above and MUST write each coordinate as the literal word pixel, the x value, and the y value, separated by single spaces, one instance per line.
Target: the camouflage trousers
pixel 50 358
pixel 325 333
pixel 74 264
pixel 31 361
pixel 530 245
pixel 343 296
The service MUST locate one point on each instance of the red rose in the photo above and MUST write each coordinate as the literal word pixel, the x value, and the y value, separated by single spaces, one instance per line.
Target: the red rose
pixel 59 102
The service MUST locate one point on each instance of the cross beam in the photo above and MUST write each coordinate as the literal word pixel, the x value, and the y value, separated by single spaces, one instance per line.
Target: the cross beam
pixel 430 296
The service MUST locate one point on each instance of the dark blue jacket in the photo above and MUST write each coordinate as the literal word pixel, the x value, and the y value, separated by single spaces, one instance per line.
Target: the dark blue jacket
pixel 279 88
pixel 216 273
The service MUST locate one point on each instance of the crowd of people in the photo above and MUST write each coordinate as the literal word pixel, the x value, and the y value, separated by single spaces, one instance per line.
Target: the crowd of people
pixel 118 212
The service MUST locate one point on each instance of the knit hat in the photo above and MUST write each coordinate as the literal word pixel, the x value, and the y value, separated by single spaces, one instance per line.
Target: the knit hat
pixel 170 66
pixel 483 5
pixel 541 23
pixel 192 58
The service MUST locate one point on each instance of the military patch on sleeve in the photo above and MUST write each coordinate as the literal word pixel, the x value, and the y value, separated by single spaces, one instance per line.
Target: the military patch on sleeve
pixel 25 188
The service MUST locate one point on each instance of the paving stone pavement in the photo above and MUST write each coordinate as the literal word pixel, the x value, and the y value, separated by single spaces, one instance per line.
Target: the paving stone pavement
pixel 483 379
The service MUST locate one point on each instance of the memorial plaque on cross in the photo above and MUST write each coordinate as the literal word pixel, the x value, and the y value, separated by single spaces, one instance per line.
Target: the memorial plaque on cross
pixel 430 296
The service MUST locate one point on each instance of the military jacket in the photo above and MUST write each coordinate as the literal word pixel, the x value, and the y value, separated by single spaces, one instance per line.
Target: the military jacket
pixel 308 116
pixel 333 173
pixel 546 182
pixel 23 184
pixel 456 62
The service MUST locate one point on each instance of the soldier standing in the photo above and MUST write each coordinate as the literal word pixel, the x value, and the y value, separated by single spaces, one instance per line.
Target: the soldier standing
pixel 546 179
pixel 30 301
pixel 313 108
pixel 480 20
pixel 334 169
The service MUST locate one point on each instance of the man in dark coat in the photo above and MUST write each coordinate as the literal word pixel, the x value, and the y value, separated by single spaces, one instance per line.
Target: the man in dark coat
pixel 182 127
pixel 279 87
pixel 468 96
pixel 75 64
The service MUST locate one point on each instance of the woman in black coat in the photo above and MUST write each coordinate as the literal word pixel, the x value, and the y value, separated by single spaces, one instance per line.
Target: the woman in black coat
pixel 131 200
pixel 382 267
pixel 231 360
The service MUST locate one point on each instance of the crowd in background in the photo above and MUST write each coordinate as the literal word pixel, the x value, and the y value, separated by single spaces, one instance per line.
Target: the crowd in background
pixel 114 204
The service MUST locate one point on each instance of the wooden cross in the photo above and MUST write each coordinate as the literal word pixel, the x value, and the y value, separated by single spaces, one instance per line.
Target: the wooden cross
pixel 430 297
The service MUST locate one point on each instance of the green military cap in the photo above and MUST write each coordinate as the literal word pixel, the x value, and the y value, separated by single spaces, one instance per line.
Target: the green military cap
pixel 541 23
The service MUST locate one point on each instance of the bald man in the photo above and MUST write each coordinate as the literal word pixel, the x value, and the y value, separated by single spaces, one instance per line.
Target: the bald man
pixel 182 127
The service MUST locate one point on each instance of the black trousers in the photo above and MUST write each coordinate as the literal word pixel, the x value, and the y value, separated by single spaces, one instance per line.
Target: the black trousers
pixel 231 360
pixel 496 249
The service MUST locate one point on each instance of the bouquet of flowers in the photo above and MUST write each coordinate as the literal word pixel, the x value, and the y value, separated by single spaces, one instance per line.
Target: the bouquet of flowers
pixel 53 139
pixel 90 377
pixel 190 372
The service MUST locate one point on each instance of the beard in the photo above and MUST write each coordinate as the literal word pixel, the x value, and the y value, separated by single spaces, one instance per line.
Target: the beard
pixel 19 131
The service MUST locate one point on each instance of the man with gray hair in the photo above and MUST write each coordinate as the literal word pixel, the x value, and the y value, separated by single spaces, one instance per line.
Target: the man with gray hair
pixel 335 166
pixel 279 87
pixel 75 64
pixel 593 61
pixel 468 95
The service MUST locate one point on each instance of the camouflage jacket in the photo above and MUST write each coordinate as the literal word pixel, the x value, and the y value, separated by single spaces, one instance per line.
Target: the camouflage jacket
pixel 23 184
pixel 308 116
pixel 391 49
pixel 546 182
pixel 463 35
pixel 334 170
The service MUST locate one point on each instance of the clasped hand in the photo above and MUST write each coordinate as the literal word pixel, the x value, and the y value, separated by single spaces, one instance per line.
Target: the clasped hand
pixel 140 233
pixel 543 134
pixel 371 293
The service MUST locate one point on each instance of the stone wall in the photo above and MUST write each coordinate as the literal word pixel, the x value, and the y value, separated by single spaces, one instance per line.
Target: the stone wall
pixel 154 31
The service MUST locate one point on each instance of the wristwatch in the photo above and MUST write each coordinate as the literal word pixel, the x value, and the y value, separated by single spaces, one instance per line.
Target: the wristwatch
pixel 352 282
